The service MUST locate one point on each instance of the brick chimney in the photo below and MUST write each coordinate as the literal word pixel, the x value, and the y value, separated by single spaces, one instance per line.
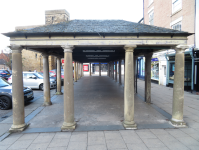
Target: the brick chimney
pixel 56 16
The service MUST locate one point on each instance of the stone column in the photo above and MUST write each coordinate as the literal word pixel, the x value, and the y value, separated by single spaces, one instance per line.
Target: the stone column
pixel 69 122
pixel 135 72
pixel 75 71
pixel 108 70
pixel 99 69
pixel 80 70
pixel 178 87
pixel 124 71
pixel 148 77
pixel 59 76
pixel 17 91
pixel 113 70
pixel 128 88
pixel 90 69
pixel 116 71
pixel 120 72
pixel 46 85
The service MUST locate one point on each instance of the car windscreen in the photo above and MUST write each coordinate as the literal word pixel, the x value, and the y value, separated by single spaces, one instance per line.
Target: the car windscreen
pixel 3 82
pixel 38 75
pixel 41 74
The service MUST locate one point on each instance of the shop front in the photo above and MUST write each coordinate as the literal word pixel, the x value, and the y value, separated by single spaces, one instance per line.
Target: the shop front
pixel 141 67
pixel 155 69
pixel 189 70
pixel 95 67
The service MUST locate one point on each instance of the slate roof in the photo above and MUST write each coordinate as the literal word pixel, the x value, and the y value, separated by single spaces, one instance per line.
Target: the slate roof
pixel 100 26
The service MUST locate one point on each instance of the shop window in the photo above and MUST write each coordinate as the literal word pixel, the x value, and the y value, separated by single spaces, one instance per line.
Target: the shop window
pixel 151 18
pixel 150 2
pixel 155 71
pixel 187 72
pixel 177 26
pixel 176 5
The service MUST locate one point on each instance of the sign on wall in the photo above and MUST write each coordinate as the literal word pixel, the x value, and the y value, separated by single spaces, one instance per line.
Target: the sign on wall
pixel 62 61
pixel 85 68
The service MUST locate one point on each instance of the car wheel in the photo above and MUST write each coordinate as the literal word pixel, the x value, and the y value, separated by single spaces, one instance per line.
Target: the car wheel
pixel 41 87
pixel 5 103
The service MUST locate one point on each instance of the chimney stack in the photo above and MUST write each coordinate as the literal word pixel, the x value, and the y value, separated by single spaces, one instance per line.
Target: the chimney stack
pixel 56 16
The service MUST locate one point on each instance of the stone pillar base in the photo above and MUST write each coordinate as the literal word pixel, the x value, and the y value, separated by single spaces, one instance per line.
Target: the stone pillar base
pixel 178 123
pixel 129 125
pixel 47 103
pixel 58 93
pixel 18 128
pixel 68 126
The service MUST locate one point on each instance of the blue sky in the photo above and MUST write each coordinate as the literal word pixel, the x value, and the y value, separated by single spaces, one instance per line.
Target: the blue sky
pixel 32 12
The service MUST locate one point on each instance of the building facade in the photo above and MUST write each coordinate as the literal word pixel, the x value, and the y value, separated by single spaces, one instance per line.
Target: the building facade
pixel 179 15
pixel 173 14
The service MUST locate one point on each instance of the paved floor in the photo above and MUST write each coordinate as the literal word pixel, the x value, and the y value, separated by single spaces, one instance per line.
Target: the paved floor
pixel 141 139
pixel 99 105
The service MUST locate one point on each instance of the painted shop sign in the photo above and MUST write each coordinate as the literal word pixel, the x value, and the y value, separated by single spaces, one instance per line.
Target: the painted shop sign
pixel 85 67
pixel 154 59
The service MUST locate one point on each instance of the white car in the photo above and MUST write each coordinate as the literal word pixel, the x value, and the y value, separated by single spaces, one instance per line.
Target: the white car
pixel 34 80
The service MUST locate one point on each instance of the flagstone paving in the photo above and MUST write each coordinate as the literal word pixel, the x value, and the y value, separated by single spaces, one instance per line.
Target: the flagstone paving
pixel 141 139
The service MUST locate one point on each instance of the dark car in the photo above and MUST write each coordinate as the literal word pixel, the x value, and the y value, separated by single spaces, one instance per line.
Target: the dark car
pixel 5 74
pixel 6 94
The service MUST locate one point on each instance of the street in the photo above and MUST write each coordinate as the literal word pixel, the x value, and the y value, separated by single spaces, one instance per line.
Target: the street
pixel 37 93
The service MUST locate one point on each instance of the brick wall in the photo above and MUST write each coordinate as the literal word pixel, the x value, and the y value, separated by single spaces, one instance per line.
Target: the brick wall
pixel 163 15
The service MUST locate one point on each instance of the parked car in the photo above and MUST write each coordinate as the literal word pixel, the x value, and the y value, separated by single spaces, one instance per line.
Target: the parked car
pixel 34 80
pixel 4 74
pixel 54 71
pixel 6 94
pixel 50 76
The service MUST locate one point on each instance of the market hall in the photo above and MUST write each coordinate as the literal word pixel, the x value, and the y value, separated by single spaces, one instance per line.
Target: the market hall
pixel 86 41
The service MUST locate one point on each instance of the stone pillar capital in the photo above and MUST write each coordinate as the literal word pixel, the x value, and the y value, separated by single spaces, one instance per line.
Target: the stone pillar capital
pixel 181 48
pixel 16 48
pixel 45 55
pixel 148 54
pixel 130 48
pixel 68 48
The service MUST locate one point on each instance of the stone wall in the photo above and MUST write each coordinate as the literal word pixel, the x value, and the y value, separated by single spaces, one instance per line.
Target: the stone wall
pixel 33 60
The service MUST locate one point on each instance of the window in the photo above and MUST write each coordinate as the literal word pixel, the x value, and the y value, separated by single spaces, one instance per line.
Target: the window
pixel 177 26
pixel 176 5
pixel 31 76
pixel 36 56
pixel 151 16
pixel 150 2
